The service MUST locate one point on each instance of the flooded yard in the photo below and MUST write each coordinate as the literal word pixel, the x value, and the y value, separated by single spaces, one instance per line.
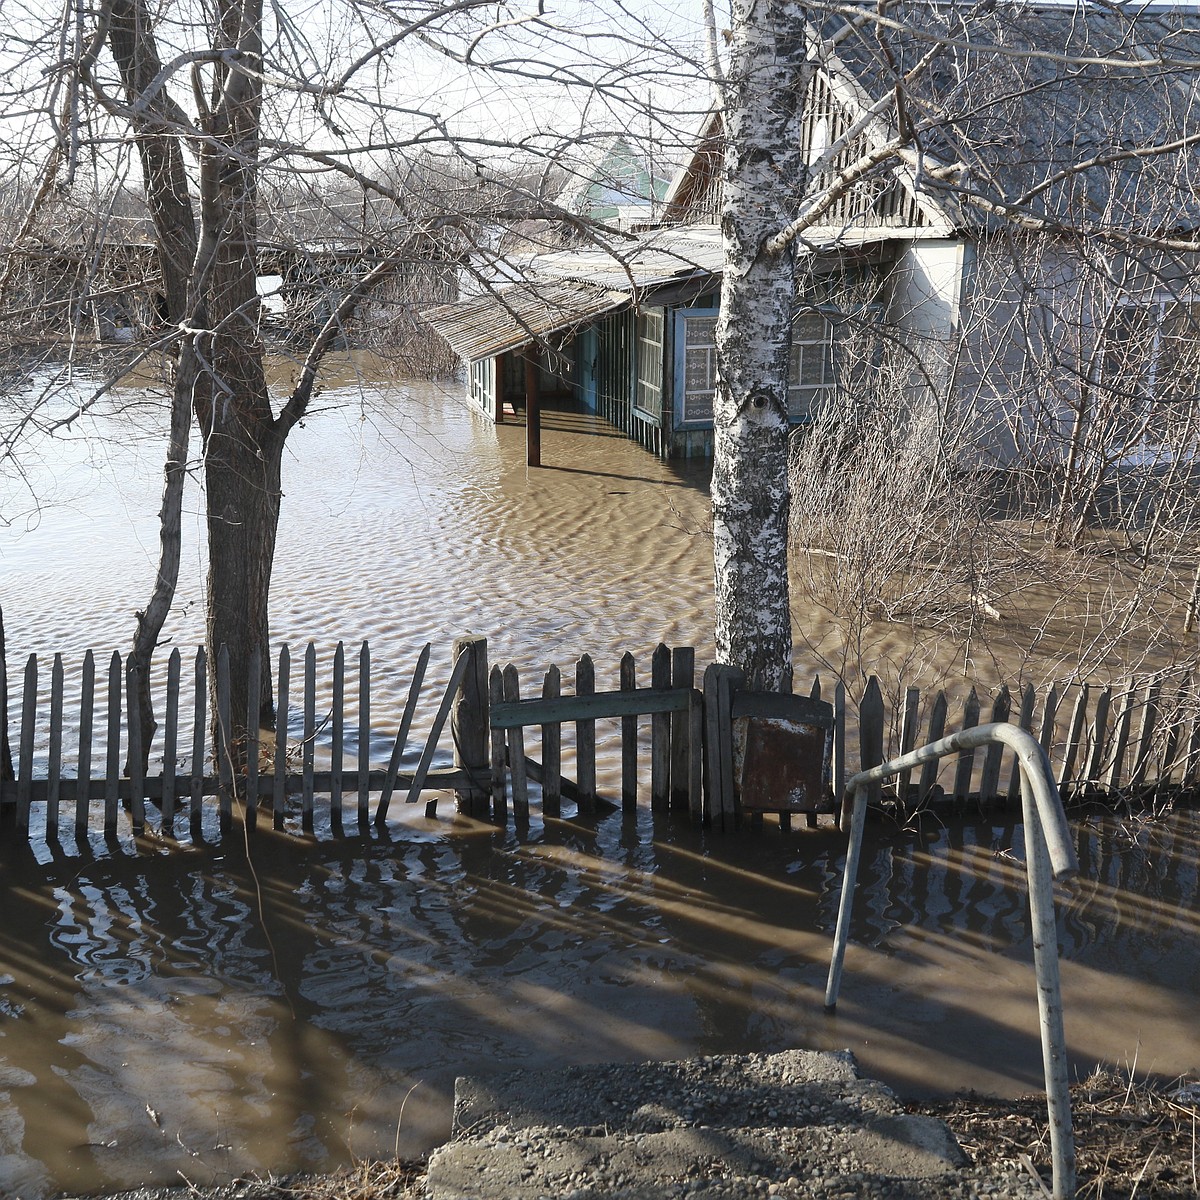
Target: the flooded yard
pixel 275 1003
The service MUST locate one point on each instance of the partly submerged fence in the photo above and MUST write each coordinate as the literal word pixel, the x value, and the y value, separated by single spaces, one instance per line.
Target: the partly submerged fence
pixel 1133 742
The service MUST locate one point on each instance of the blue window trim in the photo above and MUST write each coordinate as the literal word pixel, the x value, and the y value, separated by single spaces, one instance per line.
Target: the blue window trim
pixel 680 315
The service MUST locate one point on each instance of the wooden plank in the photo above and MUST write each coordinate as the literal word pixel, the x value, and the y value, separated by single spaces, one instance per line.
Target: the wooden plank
pixel 224 739
pixel 1172 740
pixel 516 750
pixel 695 763
pixel 199 741
pixel 1145 737
pixel 937 730
pixel 25 750
pixel 253 735
pixel 683 675
pixel 989 779
pixel 552 749
pixel 498 756
pixel 966 758
pixel 871 718
pixel 401 742
pixel 714 777
pixel 171 742
pixel 133 717
pixel 83 767
pixel 7 774
pixel 364 734
pixel 54 764
pixel 337 734
pixel 469 725
pixel 1191 770
pixel 1074 739
pixel 585 737
pixel 782 706
pixel 909 723
pixel 638 702
pixel 1049 719
pixel 1095 766
pixel 1025 721
pixel 308 746
pixel 282 706
pixel 629 736
pixel 1121 738
pixel 839 740
pixel 729 680
pixel 457 674
pixel 660 734
pixel 814 693
pixel 112 774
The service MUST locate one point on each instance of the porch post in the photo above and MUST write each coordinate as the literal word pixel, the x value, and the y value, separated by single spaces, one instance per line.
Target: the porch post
pixel 533 411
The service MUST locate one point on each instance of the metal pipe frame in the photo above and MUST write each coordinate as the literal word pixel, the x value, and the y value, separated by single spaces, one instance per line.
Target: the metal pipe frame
pixel 1049 856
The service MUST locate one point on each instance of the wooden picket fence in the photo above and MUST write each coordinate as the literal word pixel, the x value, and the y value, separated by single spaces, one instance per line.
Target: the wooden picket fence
pixel 1131 744
pixel 1134 742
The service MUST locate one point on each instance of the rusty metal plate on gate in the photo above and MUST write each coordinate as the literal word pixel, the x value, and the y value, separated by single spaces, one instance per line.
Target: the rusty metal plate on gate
pixel 786 766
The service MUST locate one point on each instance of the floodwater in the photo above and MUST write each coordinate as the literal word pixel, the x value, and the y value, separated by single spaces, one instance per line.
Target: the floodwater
pixel 279 1003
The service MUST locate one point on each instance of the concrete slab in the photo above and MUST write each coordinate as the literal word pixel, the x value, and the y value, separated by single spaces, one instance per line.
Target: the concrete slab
pixel 789 1125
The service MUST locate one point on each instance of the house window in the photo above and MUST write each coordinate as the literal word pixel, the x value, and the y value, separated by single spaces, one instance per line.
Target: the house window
pixel 810 368
pixel 650 362
pixel 483 384
pixel 1151 375
pixel 810 365
pixel 696 345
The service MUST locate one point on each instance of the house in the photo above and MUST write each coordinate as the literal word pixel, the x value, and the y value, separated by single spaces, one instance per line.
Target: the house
pixel 1019 260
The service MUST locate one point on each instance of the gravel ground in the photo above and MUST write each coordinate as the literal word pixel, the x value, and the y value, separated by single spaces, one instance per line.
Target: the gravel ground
pixel 1134 1142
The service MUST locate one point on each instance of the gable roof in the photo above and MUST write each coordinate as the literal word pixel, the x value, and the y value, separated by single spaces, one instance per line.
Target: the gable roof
pixel 1085 116
pixel 1074 114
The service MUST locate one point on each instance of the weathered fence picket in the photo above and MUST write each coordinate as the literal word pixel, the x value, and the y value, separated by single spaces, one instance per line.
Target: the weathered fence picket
pixel 171 742
pixel 54 766
pixel 629 748
pixel 585 736
pixel 552 748
pixel 279 780
pixel 1133 741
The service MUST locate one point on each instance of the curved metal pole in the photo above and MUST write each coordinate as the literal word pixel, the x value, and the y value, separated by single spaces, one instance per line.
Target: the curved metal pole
pixel 1044 929
pixel 1049 856
pixel 857 820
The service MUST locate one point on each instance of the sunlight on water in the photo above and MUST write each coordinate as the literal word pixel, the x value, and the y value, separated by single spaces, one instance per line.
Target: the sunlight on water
pixel 188 1013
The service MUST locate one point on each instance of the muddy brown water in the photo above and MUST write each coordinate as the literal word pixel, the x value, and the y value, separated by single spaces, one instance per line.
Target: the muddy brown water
pixel 230 1006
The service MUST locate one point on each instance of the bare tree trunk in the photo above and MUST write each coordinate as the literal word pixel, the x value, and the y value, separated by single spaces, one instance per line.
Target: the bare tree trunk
pixel 165 180
pixel 764 173
pixel 243 446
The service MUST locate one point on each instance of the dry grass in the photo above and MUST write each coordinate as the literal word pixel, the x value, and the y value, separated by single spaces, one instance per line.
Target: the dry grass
pixel 1133 1141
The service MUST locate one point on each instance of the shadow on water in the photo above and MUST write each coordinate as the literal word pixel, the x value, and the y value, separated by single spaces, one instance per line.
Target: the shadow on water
pixel 278 1003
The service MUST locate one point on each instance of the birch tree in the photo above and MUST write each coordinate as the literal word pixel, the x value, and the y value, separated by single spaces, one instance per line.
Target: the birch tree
pixel 764 172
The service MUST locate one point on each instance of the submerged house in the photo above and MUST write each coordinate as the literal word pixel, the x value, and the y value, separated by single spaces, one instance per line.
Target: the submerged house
pixel 1018 260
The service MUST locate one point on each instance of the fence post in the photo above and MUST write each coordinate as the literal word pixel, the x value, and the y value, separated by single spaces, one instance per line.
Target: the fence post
pixel 870 740
pixel 683 675
pixel 470 727
pixel 552 749
pixel 6 762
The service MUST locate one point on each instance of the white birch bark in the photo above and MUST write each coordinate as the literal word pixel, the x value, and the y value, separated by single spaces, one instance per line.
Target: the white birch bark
pixel 764 179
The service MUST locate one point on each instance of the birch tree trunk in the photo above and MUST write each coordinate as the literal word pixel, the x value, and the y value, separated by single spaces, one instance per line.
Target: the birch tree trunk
pixel 763 181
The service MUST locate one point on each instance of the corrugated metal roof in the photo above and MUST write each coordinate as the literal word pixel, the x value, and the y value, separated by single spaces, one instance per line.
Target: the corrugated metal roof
pixel 567 288
pixel 510 317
